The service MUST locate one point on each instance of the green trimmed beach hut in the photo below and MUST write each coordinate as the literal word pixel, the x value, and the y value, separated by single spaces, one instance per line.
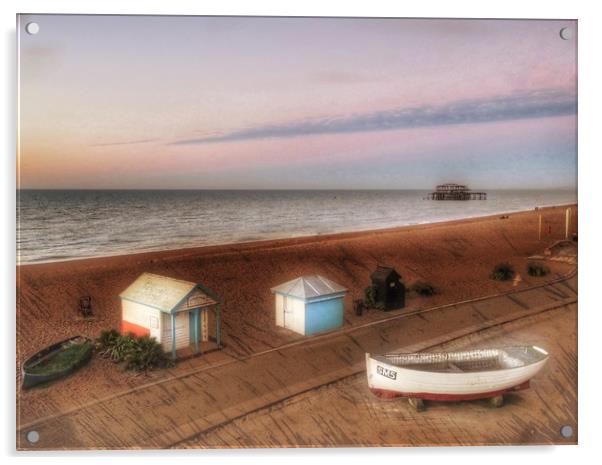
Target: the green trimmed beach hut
pixel 310 304
pixel 178 314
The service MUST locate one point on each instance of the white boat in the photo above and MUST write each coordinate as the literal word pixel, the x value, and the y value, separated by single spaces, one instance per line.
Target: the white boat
pixel 466 375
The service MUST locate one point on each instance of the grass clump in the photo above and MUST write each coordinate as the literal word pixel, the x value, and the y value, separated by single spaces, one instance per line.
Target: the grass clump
pixel 108 338
pixel 502 272
pixel 370 298
pixel 134 353
pixel 147 354
pixel 117 349
pixel 537 269
pixel 63 359
pixel 423 288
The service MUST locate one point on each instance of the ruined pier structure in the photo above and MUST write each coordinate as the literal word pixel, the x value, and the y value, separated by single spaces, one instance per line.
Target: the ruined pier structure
pixel 456 192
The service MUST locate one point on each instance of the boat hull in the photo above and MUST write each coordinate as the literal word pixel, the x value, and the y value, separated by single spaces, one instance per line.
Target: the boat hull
pixel 34 379
pixel 389 381
pixel 389 395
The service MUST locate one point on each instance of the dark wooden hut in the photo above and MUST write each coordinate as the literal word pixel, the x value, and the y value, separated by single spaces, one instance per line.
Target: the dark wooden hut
pixel 390 293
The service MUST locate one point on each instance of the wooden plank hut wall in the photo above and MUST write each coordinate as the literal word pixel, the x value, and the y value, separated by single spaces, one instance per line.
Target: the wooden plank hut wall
pixel 173 311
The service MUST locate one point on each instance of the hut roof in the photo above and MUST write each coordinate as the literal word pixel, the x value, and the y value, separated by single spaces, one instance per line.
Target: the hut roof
pixel 165 293
pixel 309 287
pixel 382 273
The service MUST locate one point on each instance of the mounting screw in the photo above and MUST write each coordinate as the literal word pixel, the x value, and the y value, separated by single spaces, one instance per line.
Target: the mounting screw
pixel 32 436
pixel 566 33
pixel 566 431
pixel 32 28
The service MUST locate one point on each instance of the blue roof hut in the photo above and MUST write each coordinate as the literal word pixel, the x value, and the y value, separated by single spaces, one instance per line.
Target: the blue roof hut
pixel 309 305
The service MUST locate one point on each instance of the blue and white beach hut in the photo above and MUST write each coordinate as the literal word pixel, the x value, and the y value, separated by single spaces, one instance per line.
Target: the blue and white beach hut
pixel 176 313
pixel 309 305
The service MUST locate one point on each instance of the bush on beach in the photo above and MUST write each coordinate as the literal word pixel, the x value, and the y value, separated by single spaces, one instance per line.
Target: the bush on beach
pixel 424 288
pixel 370 298
pixel 537 269
pixel 133 353
pixel 502 272
pixel 108 338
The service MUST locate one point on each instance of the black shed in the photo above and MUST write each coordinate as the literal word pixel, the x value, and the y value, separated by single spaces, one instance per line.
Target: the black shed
pixel 390 293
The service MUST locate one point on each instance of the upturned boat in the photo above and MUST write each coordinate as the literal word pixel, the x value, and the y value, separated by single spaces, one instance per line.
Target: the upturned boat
pixel 453 376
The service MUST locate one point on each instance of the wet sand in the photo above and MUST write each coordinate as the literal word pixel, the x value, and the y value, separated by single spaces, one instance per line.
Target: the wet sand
pixel 456 257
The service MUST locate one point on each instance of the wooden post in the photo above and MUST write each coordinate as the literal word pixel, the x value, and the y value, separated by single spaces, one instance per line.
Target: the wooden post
pixel 497 401
pixel 218 326
pixel 539 235
pixel 567 222
pixel 173 336
pixel 205 324
pixel 417 403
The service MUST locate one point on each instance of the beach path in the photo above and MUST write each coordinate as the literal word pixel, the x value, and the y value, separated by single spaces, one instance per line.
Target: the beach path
pixel 347 414
pixel 184 410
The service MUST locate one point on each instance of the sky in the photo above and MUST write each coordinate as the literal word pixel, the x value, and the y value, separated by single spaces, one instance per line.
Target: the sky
pixel 151 102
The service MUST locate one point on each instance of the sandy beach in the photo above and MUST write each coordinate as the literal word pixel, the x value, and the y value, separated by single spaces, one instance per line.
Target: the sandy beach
pixel 456 257
pixel 347 414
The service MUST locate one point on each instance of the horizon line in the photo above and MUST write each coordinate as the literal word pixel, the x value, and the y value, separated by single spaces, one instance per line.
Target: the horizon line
pixel 563 188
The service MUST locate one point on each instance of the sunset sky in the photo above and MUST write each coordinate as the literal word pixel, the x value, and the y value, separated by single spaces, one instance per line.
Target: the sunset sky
pixel 125 102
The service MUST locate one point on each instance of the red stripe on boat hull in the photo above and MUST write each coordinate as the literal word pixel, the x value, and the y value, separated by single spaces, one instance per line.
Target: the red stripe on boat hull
pixel 127 327
pixel 385 394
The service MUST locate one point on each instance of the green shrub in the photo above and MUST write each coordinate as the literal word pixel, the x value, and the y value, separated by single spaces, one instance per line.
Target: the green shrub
pixel 146 354
pixel 502 272
pixel 108 338
pixel 134 353
pixel 424 289
pixel 123 346
pixel 537 269
pixel 370 296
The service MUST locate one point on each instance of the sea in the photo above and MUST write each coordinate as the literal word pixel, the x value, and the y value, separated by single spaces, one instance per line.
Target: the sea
pixel 56 225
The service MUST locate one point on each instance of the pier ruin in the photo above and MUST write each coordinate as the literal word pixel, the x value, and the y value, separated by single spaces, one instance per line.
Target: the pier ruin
pixel 455 192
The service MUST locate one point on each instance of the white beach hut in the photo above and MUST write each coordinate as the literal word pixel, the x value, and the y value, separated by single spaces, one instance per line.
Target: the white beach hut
pixel 178 314
pixel 309 304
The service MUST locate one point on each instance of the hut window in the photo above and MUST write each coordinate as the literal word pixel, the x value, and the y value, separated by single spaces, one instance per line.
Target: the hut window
pixel 154 322
pixel 392 284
